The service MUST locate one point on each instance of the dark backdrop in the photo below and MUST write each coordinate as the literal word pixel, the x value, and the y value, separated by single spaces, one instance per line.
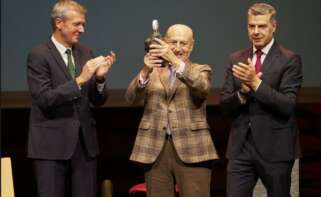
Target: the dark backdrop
pixel 122 25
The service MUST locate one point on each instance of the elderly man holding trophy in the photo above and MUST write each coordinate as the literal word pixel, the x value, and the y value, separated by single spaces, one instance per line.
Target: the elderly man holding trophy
pixel 173 141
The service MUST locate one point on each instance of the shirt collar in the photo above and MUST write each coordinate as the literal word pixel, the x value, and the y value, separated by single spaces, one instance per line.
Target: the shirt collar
pixel 61 48
pixel 265 49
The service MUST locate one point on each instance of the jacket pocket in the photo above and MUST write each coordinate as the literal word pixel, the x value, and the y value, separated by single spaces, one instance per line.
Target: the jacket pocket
pixel 195 126
pixel 276 125
pixel 145 125
pixel 50 124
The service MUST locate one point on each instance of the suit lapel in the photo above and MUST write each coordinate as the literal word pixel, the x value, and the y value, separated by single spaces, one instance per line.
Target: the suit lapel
pixel 60 62
pixel 178 82
pixel 270 57
pixel 267 64
pixel 173 89
pixel 247 54
pixel 77 60
pixel 164 79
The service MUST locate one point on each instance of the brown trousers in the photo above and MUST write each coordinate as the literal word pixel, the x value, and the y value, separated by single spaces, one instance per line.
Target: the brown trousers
pixel 193 180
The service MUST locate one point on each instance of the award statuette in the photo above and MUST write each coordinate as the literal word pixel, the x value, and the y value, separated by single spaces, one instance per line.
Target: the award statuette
pixel 155 34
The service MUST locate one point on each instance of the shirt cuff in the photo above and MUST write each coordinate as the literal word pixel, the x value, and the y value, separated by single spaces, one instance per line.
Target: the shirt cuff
pixel 181 68
pixel 142 82
pixel 241 97
pixel 257 87
pixel 100 87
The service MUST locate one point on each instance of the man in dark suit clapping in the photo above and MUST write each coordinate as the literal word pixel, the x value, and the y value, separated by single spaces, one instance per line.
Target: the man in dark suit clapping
pixel 65 80
pixel 260 92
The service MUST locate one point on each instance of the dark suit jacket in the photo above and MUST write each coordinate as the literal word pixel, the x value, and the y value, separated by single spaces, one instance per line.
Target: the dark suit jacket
pixel 59 109
pixel 269 111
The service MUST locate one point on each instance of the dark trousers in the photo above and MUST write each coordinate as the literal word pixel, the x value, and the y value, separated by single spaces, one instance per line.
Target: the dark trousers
pixel 193 180
pixel 244 171
pixel 52 176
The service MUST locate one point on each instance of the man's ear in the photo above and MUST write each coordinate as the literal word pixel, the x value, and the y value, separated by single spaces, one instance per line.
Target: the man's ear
pixel 192 45
pixel 274 23
pixel 58 23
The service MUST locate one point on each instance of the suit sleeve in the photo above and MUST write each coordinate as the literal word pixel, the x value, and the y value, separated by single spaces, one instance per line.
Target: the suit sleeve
pixel 40 83
pixel 134 93
pixel 229 102
pixel 283 99
pixel 198 79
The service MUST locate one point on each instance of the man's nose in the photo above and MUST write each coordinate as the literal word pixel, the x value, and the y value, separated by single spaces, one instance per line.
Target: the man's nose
pixel 81 29
pixel 256 30
pixel 178 46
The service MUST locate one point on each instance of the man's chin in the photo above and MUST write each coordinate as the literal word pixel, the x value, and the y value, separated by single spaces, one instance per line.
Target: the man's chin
pixel 180 57
pixel 75 40
pixel 258 44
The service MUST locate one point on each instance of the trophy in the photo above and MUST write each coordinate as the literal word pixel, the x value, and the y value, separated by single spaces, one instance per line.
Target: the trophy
pixel 155 34
pixel 150 40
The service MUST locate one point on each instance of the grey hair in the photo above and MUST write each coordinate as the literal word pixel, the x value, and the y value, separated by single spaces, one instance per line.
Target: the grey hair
pixel 262 9
pixel 61 9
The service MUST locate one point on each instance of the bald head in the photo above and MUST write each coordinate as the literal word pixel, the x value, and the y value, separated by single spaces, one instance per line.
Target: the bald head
pixel 180 38
pixel 180 29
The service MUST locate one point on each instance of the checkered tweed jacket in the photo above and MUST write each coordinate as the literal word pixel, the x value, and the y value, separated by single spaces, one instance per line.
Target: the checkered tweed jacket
pixel 182 107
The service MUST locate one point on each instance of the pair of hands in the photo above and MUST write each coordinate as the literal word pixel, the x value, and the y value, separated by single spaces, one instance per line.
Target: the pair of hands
pixel 98 66
pixel 159 52
pixel 247 75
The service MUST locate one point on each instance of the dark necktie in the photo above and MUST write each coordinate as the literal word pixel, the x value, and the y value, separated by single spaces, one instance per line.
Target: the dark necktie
pixel 70 64
pixel 258 62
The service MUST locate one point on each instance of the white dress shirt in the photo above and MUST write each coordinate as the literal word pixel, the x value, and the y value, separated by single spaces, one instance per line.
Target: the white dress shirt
pixel 62 50
pixel 265 50
pixel 143 82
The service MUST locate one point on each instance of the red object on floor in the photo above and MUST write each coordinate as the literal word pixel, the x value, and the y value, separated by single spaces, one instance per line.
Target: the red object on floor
pixel 141 187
